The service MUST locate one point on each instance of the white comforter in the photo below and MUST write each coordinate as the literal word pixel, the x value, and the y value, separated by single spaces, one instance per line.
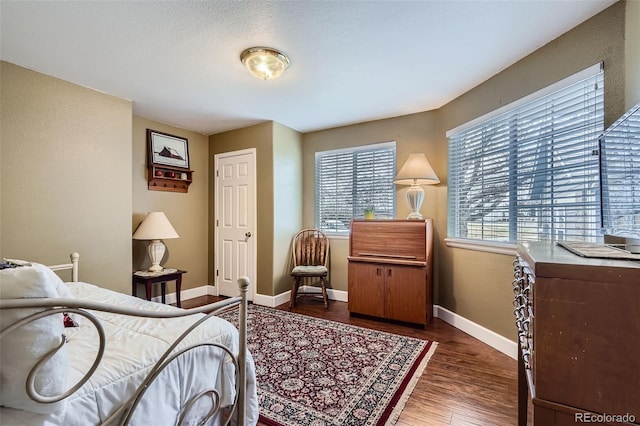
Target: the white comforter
pixel 133 346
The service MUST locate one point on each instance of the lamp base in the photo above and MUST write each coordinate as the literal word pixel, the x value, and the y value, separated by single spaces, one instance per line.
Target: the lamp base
pixel 415 196
pixel 156 251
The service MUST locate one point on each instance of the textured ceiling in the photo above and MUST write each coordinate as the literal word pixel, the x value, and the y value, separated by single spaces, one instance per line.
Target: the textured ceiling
pixel 351 61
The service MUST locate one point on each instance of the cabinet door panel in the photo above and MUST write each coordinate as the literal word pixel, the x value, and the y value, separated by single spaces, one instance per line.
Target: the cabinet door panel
pixel 405 294
pixel 366 288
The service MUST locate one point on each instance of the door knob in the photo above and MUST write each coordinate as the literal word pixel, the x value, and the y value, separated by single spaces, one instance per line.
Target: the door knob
pixel 248 234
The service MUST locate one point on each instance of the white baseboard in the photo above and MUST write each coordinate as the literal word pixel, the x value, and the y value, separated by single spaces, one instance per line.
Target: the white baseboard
pixel 339 295
pixel 491 338
pixel 273 301
pixel 210 290
pixel 190 293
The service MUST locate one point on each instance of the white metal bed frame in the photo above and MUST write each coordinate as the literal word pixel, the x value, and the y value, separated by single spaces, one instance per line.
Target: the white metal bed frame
pixel 123 414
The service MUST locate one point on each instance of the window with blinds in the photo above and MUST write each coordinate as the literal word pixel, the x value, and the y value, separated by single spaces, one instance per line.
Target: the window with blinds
pixel 530 171
pixel 620 179
pixel 348 181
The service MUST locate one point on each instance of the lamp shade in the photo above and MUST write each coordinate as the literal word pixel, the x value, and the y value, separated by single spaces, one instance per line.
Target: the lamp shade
pixel 155 226
pixel 416 171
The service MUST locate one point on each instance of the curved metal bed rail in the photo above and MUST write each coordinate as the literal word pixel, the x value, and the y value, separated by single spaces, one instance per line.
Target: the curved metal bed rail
pixel 123 414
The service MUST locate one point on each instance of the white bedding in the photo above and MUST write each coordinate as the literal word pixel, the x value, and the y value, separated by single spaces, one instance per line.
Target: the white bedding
pixel 133 346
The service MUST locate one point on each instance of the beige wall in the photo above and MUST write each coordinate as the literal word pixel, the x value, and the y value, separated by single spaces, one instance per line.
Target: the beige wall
pixel 187 212
pixel 477 285
pixel 259 137
pixel 632 53
pixel 287 201
pixel 57 136
pixel 412 133
pixel 66 175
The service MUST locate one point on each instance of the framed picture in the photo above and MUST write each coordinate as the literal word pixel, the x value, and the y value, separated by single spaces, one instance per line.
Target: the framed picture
pixel 167 150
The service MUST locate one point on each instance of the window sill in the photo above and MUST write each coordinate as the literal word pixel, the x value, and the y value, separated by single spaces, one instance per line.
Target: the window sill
pixel 337 235
pixel 485 246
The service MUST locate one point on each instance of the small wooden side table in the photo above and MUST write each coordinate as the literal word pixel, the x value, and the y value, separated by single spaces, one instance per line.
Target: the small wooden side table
pixel 149 278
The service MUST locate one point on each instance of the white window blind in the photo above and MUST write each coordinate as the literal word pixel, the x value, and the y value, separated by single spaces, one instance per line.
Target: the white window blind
pixel 350 180
pixel 620 165
pixel 530 172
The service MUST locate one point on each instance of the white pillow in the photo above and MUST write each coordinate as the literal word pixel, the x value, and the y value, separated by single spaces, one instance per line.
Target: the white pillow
pixel 60 286
pixel 62 289
pixel 52 276
pixel 21 349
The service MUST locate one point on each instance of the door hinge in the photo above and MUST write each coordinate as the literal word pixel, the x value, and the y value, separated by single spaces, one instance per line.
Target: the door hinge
pixel 217 222
pixel 217 272
pixel 217 173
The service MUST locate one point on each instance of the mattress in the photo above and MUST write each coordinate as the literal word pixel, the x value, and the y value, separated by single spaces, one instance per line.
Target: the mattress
pixel 133 346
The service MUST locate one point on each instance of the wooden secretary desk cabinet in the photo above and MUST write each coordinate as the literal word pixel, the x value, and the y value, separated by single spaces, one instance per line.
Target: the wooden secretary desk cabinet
pixel 578 323
pixel 390 269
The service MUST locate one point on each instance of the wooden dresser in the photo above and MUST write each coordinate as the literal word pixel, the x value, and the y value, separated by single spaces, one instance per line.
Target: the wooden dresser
pixel 390 269
pixel 578 323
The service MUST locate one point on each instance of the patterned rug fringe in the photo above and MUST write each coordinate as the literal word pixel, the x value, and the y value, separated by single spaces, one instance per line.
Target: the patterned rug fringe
pixel 406 394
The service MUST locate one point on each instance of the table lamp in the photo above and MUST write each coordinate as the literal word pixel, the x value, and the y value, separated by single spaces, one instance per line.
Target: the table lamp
pixel 416 171
pixel 155 227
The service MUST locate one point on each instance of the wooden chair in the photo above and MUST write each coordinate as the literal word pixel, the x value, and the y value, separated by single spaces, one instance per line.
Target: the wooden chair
pixel 310 250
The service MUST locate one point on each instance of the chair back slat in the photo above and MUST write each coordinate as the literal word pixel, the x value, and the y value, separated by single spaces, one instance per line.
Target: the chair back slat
pixel 310 248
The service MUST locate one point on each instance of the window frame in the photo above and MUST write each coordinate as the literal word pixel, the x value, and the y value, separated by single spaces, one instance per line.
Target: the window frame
pixel 357 200
pixel 504 247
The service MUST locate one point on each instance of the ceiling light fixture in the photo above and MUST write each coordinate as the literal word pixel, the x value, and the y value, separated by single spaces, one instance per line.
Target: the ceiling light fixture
pixel 264 62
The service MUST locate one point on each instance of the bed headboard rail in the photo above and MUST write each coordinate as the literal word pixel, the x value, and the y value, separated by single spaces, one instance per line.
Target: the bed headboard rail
pixel 75 258
pixel 124 412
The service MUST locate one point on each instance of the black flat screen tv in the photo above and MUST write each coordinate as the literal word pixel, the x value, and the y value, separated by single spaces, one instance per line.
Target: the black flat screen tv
pixel 620 180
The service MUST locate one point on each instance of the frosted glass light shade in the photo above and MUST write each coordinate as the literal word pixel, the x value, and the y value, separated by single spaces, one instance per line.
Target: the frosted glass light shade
pixel 155 227
pixel 264 62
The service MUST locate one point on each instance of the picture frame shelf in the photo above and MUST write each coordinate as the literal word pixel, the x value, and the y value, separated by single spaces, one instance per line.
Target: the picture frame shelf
pixel 167 178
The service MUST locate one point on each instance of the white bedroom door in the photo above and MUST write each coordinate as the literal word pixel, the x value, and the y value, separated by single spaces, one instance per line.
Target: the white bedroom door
pixel 235 216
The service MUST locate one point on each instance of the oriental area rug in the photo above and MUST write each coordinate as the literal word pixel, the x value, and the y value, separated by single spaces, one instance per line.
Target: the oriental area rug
pixel 314 372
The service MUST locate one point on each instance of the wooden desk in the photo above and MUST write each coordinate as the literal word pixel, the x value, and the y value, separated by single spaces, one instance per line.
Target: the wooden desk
pixel 389 271
pixel 148 279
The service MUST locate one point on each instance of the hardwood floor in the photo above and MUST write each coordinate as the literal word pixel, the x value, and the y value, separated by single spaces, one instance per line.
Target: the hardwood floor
pixel 465 383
